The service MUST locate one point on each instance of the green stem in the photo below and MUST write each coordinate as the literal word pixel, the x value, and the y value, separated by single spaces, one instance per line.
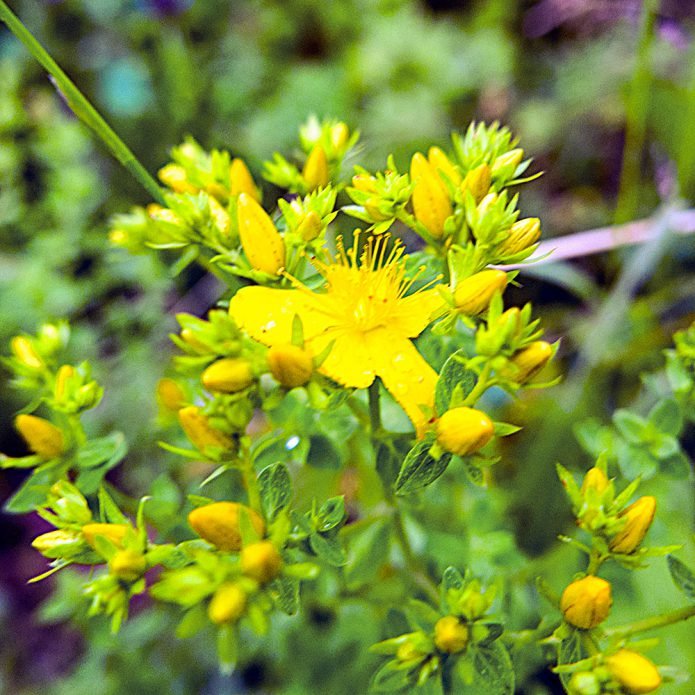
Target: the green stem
pixel 595 561
pixel 374 409
pixel 79 104
pixel 483 384
pixel 652 623
pixel 248 474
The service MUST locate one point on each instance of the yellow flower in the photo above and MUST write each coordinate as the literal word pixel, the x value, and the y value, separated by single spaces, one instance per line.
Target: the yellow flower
pixel 585 603
pixel 363 315
pixel 450 635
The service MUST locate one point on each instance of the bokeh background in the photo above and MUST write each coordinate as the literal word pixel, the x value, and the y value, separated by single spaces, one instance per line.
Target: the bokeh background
pixel 600 92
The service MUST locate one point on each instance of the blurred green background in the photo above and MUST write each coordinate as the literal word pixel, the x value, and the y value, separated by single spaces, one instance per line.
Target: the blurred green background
pixel 601 95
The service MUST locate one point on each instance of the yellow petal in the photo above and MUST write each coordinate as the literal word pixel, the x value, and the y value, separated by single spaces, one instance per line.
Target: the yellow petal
pixel 414 313
pixel 349 362
pixel 405 373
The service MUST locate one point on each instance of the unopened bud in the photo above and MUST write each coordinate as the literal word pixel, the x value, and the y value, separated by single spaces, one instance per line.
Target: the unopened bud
pixel 41 436
pixel 585 603
pixel 64 374
pixel 507 163
pixel 189 337
pixel 24 351
pixel 199 430
pixel 241 181
pixel 261 561
pixel 595 479
pixel 635 673
pixel 477 181
pixel 584 683
pixel 441 164
pixel 220 215
pixel 638 518
pixel 113 532
pixel 218 523
pixel 174 176
pixel 315 171
pixel 170 395
pixel 364 182
pixel 463 431
pixel 311 226
pixel 128 565
pixel 472 296
pixel 450 635
pixel 229 375
pixel 290 365
pixel 522 234
pixel 227 604
pixel 58 543
pixel 431 203
pixel 339 135
pixel 530 360
pixel 260 239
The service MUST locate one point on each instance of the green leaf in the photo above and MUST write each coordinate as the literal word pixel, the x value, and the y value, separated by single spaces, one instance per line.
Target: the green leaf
pixel 504 429
pixel 452 579
pixel 420 615
pixel 676 466
pixel 33 492
pixel 682 576
pixel 227 648
pixel 275 488
pixel 667 417
pixel 474 472
pixel 328 548
pixel 635 461
pixel 569 651
pixel 367 552
pixel 631 426
pixel 108 509
pixel 391 677
pixel 569 484
pixel 486 670
pixel 107 451
pixel 192 622
pixel 454 374
pixel 285 591
pixel 331 514
pixel 387 462
pixel 420 467
pixel 594 437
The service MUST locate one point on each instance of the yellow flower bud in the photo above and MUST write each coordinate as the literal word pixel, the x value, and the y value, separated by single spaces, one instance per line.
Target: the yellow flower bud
pixel 477 181
pixel 25 353
pixel 409 651
pixel 315 171
pixel 161 214
pixel 128 565
pixel 261 561
pixel 41 436
pixel 463 431
pixel 531 359
pixel 450 635
pixel 508 162
pixel 241 181
pixel 311 226
pixel 339 135
pixel 113 532
pixel 638 518
pixel 260 239
pixel 585 603
pixel 64 374
pixel 522 234
pixel 229 375
pixel 199 430
pixel 364 182
pixel 174 176
pixel 440 163
pixel 220 215
pixel 55 543
pixel 290 365
pixel 431 204
pixel 473 295
pixel 170 394
pixel 227 604
pixel 635 673
pixel 594 479
pixel 218 523
pixel 188 337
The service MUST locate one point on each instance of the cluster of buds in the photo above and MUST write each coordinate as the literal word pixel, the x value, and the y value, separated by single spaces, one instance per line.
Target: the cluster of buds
pixel 33 357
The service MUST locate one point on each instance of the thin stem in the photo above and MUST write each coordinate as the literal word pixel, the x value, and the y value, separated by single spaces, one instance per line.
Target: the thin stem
pixel 248 474
pixel 652 623
pixel 374 409
pixel 483 384
pixel 595 561
pixel 81 107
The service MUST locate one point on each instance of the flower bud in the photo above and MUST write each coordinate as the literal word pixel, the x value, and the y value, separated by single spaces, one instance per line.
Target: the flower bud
pixel 218 523
pixel 41 436
pixel 522 234
pixel 431 204
pixel 63 375
pixel 220 215
pixel 450 635
pixel 507 163
pixel 199 430
pixel 227 604
pixel 24 351
pixel 463 431
pixel 530 360
pixel 478 182
pixel 339 135
pixel 473 295
pixel 241 181
pixel 188 337
pixel 290 365
pixel 174 176
pixel 261 561
pixel 441 164
pixel 584 683
pixel 585 603
pixel 595 479
pixel 311 226
pixel 364 182
pixel 229 375
pixel 113 532
pixel 170 395
pixel 162 214
pixel 635 673
pixel 638 518
pixel 315 171
pixel 260 239
pixel 58 543
pixel 128 565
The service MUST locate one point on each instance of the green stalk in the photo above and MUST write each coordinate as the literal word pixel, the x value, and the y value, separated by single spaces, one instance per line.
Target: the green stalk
pixel 652 623
pixel 81 107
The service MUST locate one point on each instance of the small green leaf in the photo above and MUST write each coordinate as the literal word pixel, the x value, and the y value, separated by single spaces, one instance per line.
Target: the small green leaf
pixel 275 488
pixel 486 670
pixel 367 552
pixel 420 467
pixel 453 374
pixel 682 576
pixel 631 426
pixel 667 417
pixel 569 652
pixel 227 648
pixel 108 509
pixel 107 451
pixel 676 466
pixel 391 677
pixel 331 514
pixel 420 615
pixel 452 579
pixel 328 549
pixel 192 622
pixel 285 591
pixel 33 492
